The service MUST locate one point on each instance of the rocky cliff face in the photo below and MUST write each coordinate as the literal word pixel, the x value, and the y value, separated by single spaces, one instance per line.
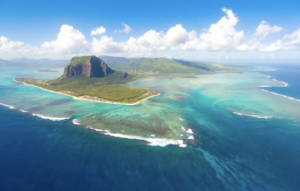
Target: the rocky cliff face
pixel 89 66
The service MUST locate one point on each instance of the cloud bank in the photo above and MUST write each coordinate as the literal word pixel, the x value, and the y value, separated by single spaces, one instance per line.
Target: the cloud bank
pixel 220 36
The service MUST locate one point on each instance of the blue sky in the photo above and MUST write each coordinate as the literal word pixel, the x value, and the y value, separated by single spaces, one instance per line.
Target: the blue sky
pixel 199 30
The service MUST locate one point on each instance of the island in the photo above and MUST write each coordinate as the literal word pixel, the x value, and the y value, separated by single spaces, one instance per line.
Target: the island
pixel 90 78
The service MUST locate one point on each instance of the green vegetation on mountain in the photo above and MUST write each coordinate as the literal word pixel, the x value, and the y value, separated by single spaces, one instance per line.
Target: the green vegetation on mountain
pixel 80 60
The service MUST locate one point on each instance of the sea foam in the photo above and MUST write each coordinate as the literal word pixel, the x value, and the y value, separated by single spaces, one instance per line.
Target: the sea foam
pixel 190 131
pixel 267 76
pixel 23 111
pixel 284 83
pixel 75 121
pixel 50 118
pixel 255 116
pixel 291 98
pixel 8 106
pixel 265 86
pixel 151 141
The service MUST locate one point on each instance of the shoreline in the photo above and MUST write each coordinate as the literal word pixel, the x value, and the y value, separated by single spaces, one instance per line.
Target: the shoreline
pixel 79 98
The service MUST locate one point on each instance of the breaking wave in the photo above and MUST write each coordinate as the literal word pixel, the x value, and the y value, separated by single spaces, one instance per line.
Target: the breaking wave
pixel 284 83
pixel 75 121
pixel 151 141
pixel 255 116
pixel 8 106
pixel 291 98
pixel 50 118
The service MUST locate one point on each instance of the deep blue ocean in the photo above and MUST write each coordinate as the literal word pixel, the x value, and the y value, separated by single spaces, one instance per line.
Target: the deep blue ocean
pixel 243 154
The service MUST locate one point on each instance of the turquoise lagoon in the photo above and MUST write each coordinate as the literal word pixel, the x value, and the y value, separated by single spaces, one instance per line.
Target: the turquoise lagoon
pixel 218 132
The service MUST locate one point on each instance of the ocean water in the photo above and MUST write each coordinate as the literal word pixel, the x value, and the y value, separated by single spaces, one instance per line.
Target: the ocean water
pixel 214 132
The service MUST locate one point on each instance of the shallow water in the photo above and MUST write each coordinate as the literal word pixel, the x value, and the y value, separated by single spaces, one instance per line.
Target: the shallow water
pixel 241 135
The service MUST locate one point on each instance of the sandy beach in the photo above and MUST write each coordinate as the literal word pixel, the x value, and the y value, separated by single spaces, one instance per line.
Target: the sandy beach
pixel 84 98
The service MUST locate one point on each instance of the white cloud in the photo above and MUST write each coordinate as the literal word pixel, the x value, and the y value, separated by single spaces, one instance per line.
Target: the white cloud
pixel 176 35
pixel 69 41
pixel 275 46
pixel 253 44
pixel 98 31
pixel 289 42
pixel 106 45
pixel 192 43
pixel 7 45
pixel 264 29
pixel 151 41
pixel 294 38
pixel 222 35
pixel 126 29
pixel 12 49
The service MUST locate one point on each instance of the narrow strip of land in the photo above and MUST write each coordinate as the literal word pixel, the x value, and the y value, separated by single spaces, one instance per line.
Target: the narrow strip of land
pixel 133 100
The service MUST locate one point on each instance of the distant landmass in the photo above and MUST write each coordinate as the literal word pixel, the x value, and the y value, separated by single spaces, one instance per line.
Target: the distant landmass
pixel 40 62
pixel 166 66
pixel 6 63
pixel 26 62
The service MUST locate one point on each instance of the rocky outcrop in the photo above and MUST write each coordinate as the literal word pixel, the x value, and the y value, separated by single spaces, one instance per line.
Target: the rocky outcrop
pixel 89 66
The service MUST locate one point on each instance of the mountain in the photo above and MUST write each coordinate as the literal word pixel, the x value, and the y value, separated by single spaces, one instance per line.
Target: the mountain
pixel 89 66
pixel 6 63
pixel 23 60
